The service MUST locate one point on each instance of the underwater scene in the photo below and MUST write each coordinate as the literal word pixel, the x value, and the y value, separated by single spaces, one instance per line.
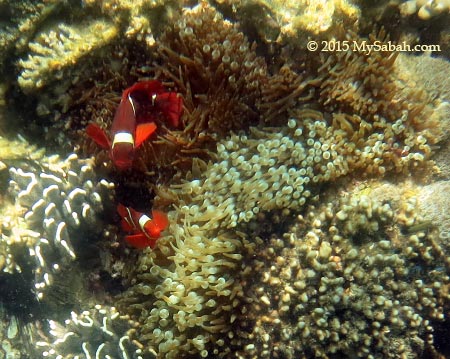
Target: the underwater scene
pixel 224 179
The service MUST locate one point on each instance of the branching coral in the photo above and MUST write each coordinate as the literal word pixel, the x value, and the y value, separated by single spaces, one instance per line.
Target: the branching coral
pixel 57 50
pixel 21 20
pixel 141 18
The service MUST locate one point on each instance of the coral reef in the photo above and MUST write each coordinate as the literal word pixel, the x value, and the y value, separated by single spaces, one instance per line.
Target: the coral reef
pixel 368 85
pixel 280 169
pixel 140 18
pixel 100 332
pixel 62 201
pixel 281 241
pixel 432 76
pixel 262 171
pixel 63 49
pixel 12 150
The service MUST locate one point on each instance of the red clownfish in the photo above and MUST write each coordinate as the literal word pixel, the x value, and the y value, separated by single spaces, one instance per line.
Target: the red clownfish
pixel 134 120
pixel 145 230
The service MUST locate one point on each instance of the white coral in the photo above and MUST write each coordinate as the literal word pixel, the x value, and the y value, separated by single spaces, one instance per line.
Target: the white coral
pixel 64 197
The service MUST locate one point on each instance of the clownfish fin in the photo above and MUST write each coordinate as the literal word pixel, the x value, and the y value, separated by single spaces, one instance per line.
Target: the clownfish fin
pixel 98 135
pixel 122 210
pixel 127 222
pixel 140 241
pixel 126 225
pixel 171 105
pixel 160 219
pixel 144 131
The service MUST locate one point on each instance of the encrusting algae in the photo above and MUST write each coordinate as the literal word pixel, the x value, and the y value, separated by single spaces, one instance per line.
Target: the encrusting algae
pixel 305 219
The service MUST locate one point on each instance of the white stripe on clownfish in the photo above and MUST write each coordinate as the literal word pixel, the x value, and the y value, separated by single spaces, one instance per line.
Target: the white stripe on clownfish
pixel 123 137
pixel 143 220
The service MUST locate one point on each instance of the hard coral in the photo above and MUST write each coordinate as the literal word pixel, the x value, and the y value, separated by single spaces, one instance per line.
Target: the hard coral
pixel 62 201
pixel 53 52
pixel 425 9
pixel 20 21
pixel 100 331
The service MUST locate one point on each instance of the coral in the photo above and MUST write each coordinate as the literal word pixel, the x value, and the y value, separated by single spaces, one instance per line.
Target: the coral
pixel 12 150
pixel 318 15
pixel 62 200
pixel 434 207
pixel 348 277
pixel 425 9
pixel 60 50
pixel 20 22
pixel 255 17
pixel 343 281
pixel 141 18
pixel 315 16
pixel 13 234
pixel 55 51
pixel 430 73
pixel 442 160
pixel 98 332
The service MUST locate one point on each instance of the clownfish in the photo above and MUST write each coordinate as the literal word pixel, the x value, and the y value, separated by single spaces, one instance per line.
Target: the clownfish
pixel 134 120
pixel 145 230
